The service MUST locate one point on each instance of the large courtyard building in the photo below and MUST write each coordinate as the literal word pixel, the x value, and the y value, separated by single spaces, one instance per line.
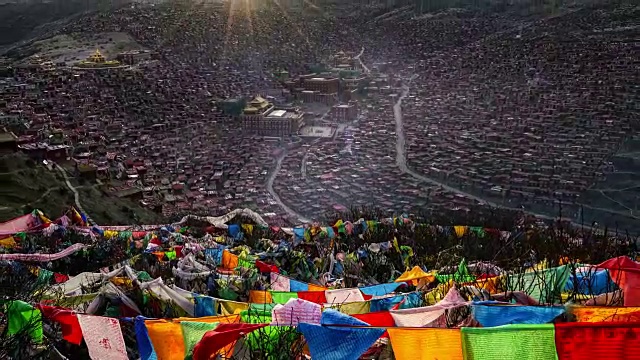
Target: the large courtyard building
pixel 315 88
pixel 263 118
pixel 322 84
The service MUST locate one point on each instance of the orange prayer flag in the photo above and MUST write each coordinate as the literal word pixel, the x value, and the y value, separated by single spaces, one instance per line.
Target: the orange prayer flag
pixel 260 297
pixel 316 288
pixel 606 313
pixel 166 338
pixel 229 260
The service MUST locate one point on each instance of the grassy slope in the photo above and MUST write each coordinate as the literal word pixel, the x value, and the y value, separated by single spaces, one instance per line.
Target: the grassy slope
pixel 21 21
pixel 26 185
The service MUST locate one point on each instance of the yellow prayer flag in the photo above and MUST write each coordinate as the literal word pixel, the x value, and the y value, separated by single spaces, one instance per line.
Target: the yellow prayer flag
pixel 232 307
pixel 352 308
pixel 426 344
pixel 9 242
pixel 108 234
pixel 355 308
pixel 248 228
pixel 460 230
pixel 414 275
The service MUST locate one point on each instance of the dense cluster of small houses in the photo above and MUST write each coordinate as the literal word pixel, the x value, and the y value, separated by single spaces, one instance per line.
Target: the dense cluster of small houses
pixel 521 112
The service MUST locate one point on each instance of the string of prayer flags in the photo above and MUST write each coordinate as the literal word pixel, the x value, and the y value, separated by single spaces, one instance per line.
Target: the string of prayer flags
pixel 167 336
pixel 284 283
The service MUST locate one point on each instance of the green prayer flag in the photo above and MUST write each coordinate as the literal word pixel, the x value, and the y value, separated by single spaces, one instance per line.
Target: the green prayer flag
pixel 144 276
pixel 281 297
pixel 479 231
pixel 544 286
pixel 521 341
pixel 248 262
pixel 266 308
pixel 267 338
pixel 192 333
pixel 461 275
pixel 24 317
pixel 44 277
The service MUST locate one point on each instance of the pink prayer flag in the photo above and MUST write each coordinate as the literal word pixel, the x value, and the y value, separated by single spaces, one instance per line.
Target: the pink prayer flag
pixel 280 282
pixel 296 311
pixel 103 337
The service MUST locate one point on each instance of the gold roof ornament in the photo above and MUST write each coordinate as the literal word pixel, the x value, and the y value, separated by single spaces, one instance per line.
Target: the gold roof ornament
pixel 96 57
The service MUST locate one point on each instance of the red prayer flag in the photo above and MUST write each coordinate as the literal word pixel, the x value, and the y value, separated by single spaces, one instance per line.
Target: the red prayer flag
pixel 317 297
pixel 266 268
pixel 60 278
pixel 604 340
pixel 71 330
pixel 224 334
pixel 378 318
pixel 626 274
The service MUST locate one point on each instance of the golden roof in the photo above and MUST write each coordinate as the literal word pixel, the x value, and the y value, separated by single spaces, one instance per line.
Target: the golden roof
pixel 258 103
pixel 258 100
